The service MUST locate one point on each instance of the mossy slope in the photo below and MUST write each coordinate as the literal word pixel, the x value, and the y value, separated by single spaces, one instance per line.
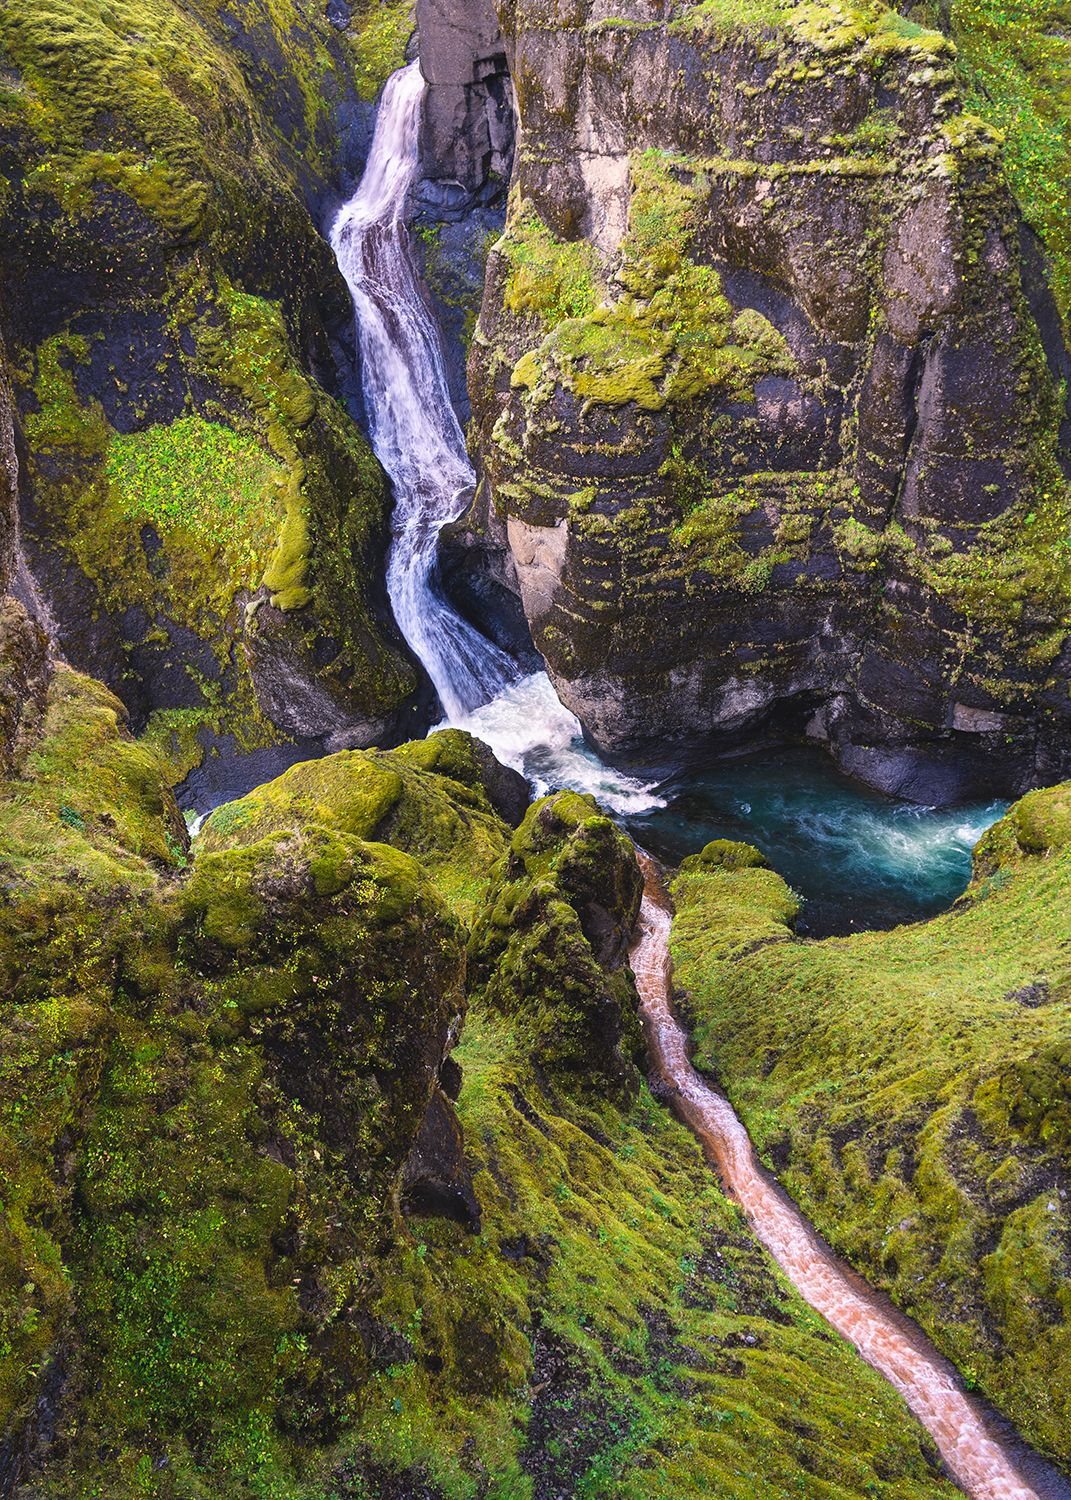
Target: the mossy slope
pixel 215 1073
pixel 911 1089
pixel 212 1080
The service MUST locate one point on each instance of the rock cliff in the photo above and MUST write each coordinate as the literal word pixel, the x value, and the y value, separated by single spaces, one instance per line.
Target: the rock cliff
pixel 766 418
pixel 204 519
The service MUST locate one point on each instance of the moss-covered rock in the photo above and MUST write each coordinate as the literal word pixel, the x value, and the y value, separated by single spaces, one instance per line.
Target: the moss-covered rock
pixel 213 1079
pixel 205 520
pixel 437 799
pixel 736 387
pixel 911 1090
pixel 614 1330
pixel 550 951
pixel 725 854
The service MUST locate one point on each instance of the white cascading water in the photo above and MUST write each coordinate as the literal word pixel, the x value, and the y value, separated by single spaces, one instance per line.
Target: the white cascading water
pixel 909 1363
pixel 411 422
pixel 416 437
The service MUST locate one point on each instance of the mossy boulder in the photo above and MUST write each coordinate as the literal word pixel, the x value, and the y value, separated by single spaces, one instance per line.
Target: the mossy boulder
pixel 1042 821
pixel 434 798
pixel 725 854
pixel 214 1078
pixel 551 949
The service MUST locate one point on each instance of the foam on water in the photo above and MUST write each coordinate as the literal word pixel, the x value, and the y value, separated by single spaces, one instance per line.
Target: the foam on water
pixel 529 728
pixel 857 858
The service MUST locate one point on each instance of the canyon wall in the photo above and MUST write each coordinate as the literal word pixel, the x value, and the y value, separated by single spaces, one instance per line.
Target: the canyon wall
pixel 765 415
pixel 204 518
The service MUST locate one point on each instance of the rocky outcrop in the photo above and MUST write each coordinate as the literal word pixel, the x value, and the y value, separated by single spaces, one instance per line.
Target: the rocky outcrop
pixel 551 949
pixel 467 139
pixel 204 519
pixel 762 404
pixel 224 1083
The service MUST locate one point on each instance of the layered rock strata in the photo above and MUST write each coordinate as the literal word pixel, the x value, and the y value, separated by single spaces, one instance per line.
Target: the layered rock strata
pixel 766 420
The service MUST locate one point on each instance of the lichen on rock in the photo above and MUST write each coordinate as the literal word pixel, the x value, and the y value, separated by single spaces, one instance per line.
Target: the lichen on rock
pixel 760 353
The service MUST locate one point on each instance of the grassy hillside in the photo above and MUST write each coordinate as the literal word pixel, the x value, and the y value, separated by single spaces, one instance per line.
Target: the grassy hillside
pixel 913 1090
pixel 219 1069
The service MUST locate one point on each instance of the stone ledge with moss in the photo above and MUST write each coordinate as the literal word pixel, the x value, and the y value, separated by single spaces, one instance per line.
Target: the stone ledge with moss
pixel 234 1256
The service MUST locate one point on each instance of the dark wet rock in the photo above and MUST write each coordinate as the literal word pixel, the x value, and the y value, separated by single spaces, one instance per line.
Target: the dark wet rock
pixel 436 1179
pixel 371 1481
pixel 183 345
pixel 467 142
pixel 834 520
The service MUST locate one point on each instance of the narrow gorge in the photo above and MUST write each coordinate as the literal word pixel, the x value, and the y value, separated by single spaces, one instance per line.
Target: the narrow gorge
pixel 535 666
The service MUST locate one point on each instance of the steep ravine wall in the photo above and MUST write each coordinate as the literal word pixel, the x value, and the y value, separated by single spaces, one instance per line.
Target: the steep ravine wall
pixel 24 653
pixel 761 402
pixel 203 515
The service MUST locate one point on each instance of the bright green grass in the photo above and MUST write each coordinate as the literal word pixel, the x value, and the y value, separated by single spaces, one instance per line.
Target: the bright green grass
pixel 197 476
pixel 1016 57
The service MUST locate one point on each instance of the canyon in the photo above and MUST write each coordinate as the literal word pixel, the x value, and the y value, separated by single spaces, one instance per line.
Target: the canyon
pixel 441 445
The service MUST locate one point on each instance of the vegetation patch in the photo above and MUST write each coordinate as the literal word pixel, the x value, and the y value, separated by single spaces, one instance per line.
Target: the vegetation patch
pixel 906 1086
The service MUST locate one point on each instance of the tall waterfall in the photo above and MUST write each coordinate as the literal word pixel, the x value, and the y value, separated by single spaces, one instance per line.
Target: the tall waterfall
pixel 412 424
pixel 416 436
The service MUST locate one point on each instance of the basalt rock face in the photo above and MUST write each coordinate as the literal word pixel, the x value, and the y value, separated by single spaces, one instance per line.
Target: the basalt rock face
pixel 467 138
pixel 24 660
pixel 205 521
pixel 762 405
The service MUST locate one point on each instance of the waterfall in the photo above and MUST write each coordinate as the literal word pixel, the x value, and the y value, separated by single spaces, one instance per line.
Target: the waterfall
pixel 417 439
pixel 412 424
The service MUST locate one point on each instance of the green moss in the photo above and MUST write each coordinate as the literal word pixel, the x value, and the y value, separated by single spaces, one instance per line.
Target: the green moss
pixel 208 1087
pixel 549 278
pixel 570 885
pixel 380 36
pixel 1016 59
pixel 614 1330
pixel 668 336
pixel 829 27
pixel 909 1085
pixel 195 476
pixel 723 854
pixel 427 798
pixel 146 133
